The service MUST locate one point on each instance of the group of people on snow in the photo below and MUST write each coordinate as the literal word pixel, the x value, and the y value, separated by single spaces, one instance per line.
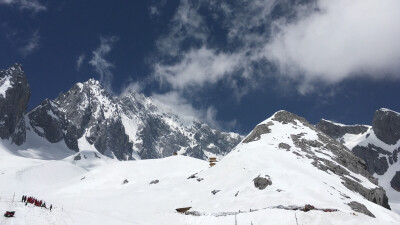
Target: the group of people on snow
pixel 35 202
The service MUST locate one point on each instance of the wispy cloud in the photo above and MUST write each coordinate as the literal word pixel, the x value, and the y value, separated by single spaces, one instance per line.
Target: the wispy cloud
pixel 155 9
pixel 174 102
pixel 198 67
pixel 186 25
pixel 30 5
pixel 79 61
pixel 31 45
pixel 99 62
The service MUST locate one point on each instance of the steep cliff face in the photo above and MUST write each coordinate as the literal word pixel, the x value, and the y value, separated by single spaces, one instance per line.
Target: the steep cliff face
pixel 14 97
pixel 386 126
pixel 337 130
pixel 378 145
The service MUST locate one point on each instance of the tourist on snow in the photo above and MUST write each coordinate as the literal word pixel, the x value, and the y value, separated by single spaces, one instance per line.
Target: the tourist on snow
pixel 51 207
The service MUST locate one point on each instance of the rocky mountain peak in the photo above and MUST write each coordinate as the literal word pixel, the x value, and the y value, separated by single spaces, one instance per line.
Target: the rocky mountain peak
pixel 289 132
pixel 386 125
pixel 14 97
pixel 88 117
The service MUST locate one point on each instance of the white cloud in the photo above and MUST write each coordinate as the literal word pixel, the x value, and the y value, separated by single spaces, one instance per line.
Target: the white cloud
pixel 135 87
pixel 175 103
pixel 186 24
pixel 30 5
pixel 155 9
pixel 323 42
pixel 100 64
pixel 197 68
pixel 79 61
pixel 31 44
pixel 341 40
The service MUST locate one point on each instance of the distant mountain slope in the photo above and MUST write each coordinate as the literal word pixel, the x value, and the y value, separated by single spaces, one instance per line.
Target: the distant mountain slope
pixel 87 117
pixel 378 145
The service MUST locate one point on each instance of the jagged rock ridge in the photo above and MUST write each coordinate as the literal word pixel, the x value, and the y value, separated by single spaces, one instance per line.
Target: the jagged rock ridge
pixel 126 127
pixel 378 145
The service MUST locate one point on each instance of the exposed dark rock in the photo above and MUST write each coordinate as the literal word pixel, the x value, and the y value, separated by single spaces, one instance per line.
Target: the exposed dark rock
pixel 374 163
pixel 111 137
pixel 284 146
pixel 376 195
pixel 257 132
pixel 262 182
pixel 78 157
pixel 125 181
pixel 336 131
pixel 395 182
pixel 183 210
pixel 395 157
pixel 13 103
pixel 286 117
pixel 49 122
pixel 360 208
pixel 215 191
pixel 154 182
pixel 192 176
pixel 346 158
pixel 386 126
pixel 19 136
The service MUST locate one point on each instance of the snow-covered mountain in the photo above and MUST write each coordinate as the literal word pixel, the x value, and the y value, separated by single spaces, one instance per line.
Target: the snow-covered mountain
pixel 87 117
pixel 14 97
pixel 378 145
pixel 284 172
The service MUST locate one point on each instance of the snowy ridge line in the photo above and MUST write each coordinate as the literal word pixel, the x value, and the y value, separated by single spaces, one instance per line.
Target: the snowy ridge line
pixel 304 208
pixel 389 110
pixel 344 125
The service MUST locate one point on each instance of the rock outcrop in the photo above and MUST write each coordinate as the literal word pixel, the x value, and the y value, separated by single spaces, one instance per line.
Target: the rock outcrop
pixel 14 97
pixel 378 145
pixel 386 126
pixel 336 130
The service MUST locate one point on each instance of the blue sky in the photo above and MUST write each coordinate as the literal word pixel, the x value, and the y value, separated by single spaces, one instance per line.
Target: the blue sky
pixel 229 63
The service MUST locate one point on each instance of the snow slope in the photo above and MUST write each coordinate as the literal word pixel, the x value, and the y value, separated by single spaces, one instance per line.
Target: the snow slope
pixel 97 190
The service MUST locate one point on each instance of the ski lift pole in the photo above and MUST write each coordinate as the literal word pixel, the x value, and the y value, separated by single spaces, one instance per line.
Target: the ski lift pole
pixel 13 198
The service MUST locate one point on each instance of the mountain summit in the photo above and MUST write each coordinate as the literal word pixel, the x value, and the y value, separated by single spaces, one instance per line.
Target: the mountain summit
pixel 88 117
